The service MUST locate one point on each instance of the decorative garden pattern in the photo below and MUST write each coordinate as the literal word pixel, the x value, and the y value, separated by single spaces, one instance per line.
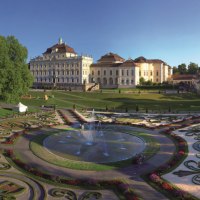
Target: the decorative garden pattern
pixel 68 194
pixel 192 165
pixel 107 185
pixel 4 166
pixel 9 189
pixel 195 167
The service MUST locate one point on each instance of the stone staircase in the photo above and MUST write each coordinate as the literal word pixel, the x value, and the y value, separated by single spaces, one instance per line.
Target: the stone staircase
pixel 72 118
pixel 197 86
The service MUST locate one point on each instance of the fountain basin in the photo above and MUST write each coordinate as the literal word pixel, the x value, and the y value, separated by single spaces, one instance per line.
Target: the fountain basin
pixel 94 146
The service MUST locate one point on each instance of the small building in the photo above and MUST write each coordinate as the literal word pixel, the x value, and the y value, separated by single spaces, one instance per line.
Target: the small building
pixel 188 79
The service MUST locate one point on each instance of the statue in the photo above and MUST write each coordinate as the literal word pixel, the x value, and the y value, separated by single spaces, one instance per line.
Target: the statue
pixel 46 97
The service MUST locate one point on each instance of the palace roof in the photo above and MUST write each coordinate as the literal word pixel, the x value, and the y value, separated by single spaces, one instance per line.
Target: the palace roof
pixel 111 58
pixel 142 59
pixel 60 48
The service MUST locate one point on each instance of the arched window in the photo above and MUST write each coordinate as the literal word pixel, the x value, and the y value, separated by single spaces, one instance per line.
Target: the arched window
pixel 116 81
pixel 105 81
pixel 110 81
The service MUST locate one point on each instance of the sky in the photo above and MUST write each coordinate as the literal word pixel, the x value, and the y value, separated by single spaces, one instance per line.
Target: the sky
pixel 156 29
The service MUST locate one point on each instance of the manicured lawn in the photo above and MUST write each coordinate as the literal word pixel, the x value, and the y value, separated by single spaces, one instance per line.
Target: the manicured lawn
pixel 118 101
pixel 5 112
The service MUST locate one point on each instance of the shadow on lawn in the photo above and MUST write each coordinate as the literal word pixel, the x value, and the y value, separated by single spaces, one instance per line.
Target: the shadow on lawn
pixel 182 97
pixel 153 105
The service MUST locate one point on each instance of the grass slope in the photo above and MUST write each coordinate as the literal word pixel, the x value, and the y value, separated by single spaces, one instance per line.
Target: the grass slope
pixel 97 100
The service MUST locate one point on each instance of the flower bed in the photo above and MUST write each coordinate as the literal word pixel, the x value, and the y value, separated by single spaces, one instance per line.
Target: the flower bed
pixel 124 188
pixel 12 139
pixel 10 188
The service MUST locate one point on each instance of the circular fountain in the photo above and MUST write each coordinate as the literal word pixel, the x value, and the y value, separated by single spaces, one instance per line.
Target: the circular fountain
pixel 94 142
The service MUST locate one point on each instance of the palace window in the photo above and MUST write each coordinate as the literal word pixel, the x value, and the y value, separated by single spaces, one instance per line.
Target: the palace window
pixel 92 73
pixel 157 73
pixel 132 72
pixel 117 72
pixel 127 72
pixel 104 72
pixel 110 72
pixel 122 72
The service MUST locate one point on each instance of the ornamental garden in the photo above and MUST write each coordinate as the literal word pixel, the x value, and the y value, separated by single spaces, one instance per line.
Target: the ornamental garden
pixel 101 145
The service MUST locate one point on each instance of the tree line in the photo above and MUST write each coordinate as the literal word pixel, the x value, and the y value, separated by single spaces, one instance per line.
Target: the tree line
pixel 15 77
pixel 192 68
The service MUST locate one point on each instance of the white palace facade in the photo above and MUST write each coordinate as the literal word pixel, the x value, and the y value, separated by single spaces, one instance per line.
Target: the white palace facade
pixel 61 67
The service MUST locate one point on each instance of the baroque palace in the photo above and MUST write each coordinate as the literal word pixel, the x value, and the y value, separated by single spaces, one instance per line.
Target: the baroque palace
pixel 61 67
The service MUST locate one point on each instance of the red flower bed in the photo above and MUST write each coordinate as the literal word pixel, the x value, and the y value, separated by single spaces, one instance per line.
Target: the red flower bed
pixel 13 137
pixel 124 188
pixel 166 186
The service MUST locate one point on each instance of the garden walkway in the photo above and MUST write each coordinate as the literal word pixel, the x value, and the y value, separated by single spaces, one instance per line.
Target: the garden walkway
pixel 131 173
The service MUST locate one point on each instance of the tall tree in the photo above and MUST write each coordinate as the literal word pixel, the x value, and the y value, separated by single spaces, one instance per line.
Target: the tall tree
pixel 142 80
pixel 175 70
pixel 15 75
pixel 182 68
pixel 193 68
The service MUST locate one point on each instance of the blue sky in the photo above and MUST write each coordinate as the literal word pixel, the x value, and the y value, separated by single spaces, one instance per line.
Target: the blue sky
pixel 164 29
